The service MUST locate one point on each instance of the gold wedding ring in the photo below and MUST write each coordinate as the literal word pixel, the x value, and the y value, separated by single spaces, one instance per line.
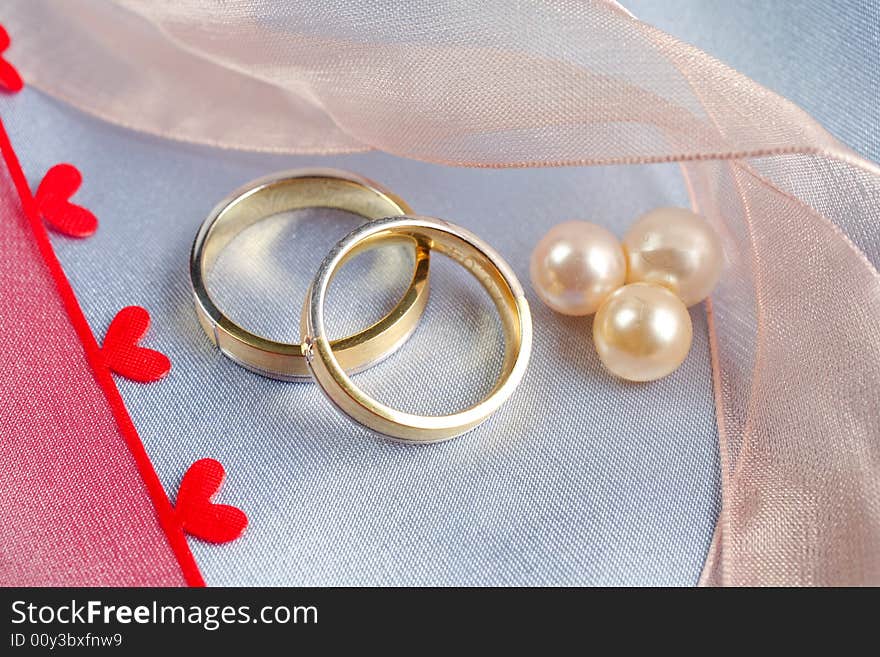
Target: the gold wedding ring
pixel 483 262
pixel 283 192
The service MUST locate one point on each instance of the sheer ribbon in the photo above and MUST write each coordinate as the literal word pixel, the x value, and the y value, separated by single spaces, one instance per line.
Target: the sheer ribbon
pixel 796 318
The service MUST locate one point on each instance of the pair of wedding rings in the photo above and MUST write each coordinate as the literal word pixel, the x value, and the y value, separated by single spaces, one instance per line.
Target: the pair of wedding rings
pixel 390 220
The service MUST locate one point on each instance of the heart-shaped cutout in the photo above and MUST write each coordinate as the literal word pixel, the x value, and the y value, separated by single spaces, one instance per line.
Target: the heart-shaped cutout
pixel 198 515
pixel 9 77
pixel 53 202
pixel 122 353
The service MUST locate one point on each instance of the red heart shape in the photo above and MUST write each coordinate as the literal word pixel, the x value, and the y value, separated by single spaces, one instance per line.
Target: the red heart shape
pixel 215 523
pixel 9 77
pixel 53 204
pixel 122 353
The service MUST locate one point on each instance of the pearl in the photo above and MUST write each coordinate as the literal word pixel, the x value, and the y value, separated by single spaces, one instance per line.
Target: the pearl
pixel 675 248
pixel 642 332
pixel 576 266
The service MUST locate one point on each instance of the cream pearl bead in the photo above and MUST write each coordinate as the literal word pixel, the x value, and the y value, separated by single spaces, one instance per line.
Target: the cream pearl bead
pixel 642 332
pixel 575 266
pixel 675 248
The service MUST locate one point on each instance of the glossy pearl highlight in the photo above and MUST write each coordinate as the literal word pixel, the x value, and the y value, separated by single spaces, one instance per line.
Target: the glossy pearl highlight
pixel 576 266
pixel 677 249
pixel 642 332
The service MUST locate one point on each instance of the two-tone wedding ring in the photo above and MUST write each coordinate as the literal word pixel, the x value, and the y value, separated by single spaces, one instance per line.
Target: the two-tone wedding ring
pixel 476 256
pixel 285 192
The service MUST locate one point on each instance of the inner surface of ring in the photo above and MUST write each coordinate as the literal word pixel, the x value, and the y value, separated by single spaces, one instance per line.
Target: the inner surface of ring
pixel 293 194
pixel 261 278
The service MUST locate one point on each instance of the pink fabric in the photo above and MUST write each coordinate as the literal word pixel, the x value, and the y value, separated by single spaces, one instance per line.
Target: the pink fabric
pixel 796 318
pixel 74 509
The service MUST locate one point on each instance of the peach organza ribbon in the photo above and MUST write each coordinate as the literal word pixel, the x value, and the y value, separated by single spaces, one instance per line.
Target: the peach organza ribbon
pixel 795 322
